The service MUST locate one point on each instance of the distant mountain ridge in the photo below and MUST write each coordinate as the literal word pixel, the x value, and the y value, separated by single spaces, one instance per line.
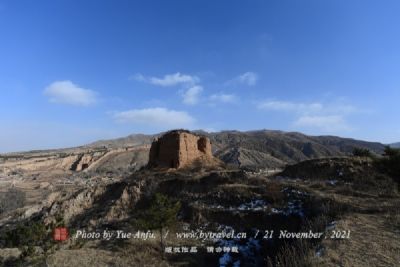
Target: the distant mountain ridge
pixel 395 145
pixel 262 148
pixel 130 140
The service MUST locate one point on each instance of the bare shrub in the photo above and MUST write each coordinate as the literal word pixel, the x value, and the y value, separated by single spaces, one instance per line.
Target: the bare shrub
pixel 295 254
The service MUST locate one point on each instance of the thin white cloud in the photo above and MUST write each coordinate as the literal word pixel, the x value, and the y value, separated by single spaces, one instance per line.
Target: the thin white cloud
pixel 224 98
pixel 290 106
pixel 168 79
pixel 326 117
pixel 248 78
pixel 192 95
pixel 66 92
pixel 157 117
pixel 332 123
pixel 138 77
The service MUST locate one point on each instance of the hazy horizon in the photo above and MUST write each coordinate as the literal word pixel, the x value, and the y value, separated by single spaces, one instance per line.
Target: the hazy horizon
pixel 154 133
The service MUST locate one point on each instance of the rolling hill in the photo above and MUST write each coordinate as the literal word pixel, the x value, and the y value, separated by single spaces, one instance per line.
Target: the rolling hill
pixel 262 148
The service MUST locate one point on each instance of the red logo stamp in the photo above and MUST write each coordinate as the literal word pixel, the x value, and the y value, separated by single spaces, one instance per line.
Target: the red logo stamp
pixel 60 234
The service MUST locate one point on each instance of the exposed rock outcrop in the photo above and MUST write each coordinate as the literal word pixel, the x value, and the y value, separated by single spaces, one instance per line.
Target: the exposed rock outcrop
pixel 179 149
pixel 100 204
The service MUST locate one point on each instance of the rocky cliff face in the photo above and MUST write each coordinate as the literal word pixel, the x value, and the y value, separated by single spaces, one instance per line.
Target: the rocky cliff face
pixel 179 149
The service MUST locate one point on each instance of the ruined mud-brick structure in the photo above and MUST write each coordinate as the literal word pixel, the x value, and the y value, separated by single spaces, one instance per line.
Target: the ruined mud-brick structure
pixel 179 149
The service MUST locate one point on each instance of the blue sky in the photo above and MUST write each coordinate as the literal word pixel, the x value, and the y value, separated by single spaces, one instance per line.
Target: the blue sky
pixel 72 72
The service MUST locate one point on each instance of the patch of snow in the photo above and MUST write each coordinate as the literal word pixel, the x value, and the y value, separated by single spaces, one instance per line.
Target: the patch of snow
pixel 330 226
pixel 236 263
pixel 225 228
pixel 295 204
pixel 257 204
pixel 247 251
pixel 273 210
pixel 225 260
pixel 319 251
pixel 294 192
pixel 332 182
pixel 253 205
